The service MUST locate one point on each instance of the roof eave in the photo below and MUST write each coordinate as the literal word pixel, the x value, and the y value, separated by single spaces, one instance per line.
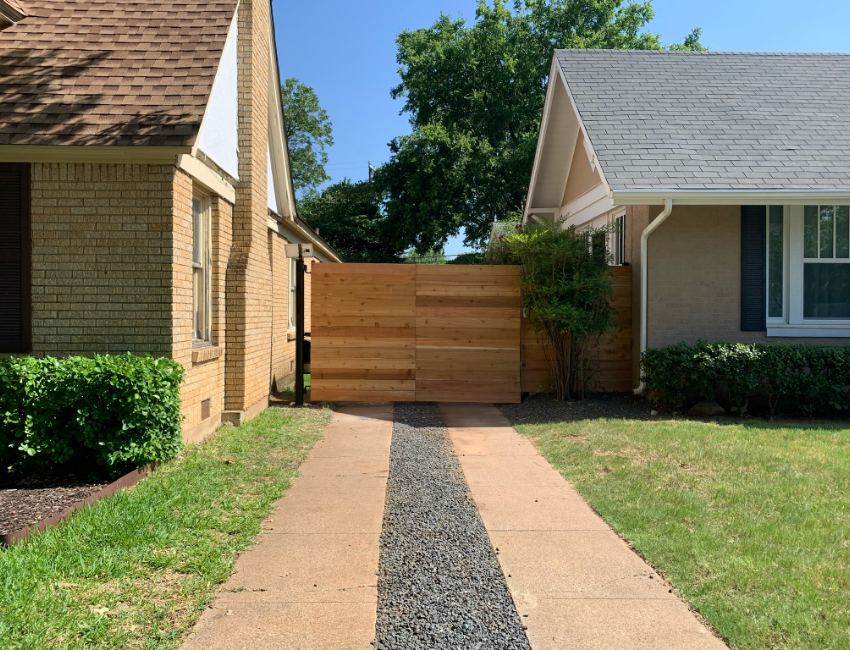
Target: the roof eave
pixel 91 153
pixel 728 197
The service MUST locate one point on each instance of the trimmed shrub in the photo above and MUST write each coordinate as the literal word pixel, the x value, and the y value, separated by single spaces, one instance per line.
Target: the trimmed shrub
pixel 101 414
pixel 776 378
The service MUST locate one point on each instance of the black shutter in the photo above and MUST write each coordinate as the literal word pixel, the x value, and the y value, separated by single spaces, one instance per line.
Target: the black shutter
pixel 15 248
pixel 753 268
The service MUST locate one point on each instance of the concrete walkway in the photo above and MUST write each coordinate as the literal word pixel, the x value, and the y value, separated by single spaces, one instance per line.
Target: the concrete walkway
pixel 311 583
pixel 574 581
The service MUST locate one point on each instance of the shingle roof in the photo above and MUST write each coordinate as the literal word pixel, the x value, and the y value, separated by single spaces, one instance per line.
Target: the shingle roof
pixel 110 72
pixel 689 120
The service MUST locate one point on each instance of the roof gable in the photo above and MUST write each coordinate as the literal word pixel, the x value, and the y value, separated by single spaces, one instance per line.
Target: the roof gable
pixel 110 72
pixel 713 121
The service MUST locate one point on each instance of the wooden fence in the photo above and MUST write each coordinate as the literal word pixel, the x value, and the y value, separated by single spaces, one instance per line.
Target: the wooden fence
pixel 614 372
pixel 384 332
pixel 415 333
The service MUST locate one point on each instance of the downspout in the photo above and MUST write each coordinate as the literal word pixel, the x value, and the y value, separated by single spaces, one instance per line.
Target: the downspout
pixel 644 278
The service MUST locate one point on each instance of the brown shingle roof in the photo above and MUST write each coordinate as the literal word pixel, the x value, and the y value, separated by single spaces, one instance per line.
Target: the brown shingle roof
pixel 110 72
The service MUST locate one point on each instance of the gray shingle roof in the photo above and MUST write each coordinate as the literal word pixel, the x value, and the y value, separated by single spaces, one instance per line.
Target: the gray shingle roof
pixel 690 120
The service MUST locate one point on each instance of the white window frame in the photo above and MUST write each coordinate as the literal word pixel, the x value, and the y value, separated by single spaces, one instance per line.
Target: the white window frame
pixel 292 290
pixel 202 270
pixel 793 323
pixel 608 220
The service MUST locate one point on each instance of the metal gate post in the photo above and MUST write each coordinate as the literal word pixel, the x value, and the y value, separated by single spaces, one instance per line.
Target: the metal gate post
pixel 299 331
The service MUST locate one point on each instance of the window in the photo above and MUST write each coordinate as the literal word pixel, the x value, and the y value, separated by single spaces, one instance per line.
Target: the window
pixel 617 239
pixel 201 265
pixel 292 279
pixel 826 262
pixel 808 270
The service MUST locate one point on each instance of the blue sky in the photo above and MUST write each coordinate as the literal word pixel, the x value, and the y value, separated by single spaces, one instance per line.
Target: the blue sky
pixel 346 51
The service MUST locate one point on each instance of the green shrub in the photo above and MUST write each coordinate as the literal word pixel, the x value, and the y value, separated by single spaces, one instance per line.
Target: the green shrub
pixel 101 414
pixel 777 378
pixel 567 287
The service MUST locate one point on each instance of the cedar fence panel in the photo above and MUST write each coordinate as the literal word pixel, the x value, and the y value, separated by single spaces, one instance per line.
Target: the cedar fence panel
pixel 614 353
pixel 386 332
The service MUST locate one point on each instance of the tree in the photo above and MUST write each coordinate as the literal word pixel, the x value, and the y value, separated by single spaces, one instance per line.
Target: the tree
pixel 567 286
pixel 475 96
pixel 349 217
pixel 309 133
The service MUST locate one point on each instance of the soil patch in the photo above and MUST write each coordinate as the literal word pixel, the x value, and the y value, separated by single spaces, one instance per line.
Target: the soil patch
pixel 25 501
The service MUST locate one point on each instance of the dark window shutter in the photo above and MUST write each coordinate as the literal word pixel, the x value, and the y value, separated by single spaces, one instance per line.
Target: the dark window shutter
pixel 15 249
pixel 753 268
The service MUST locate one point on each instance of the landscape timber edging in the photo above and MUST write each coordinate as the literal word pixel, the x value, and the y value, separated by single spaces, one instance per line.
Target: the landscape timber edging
pixel 126 481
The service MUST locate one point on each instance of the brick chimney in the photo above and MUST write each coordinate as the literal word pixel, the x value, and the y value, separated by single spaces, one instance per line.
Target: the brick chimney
pixel 249 280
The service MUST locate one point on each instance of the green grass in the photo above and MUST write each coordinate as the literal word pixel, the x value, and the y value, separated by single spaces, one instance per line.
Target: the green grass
pixel 750 522
pixel 137 570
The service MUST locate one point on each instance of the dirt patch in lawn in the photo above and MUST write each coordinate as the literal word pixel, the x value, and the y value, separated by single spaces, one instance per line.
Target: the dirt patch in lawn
pixel 24 501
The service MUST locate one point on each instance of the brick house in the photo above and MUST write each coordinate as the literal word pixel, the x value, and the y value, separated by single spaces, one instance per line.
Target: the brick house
pixel 145 193
pixel 724 181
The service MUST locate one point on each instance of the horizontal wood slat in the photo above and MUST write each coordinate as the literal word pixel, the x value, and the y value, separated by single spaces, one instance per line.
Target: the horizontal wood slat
pixel 405 332
pixel 614 353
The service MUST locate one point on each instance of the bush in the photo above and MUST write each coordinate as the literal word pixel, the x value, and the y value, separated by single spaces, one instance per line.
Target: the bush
pixel 101 414
pixel 567 287
pixel 777 378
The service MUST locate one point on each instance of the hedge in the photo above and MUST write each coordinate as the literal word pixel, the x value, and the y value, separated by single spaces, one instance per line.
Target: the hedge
pixel 771 379
pixel 101 414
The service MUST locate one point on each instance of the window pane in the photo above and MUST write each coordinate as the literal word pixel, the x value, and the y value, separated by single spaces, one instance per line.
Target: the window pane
pixel 842 231
pixel 826 291
pixel 197 232
pixel 810 231
pixel 198 289
pixel 827 227
pixel 776 253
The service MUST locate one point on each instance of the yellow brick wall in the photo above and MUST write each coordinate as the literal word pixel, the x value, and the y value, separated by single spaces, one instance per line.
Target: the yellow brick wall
pixel 695 279
pixel 204 376
pixel 248 281
pixel 101 258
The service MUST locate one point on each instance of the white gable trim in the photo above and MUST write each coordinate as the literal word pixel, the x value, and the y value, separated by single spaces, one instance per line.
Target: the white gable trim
pixel 218 137
pixel 207 177
pixel 579 211
pixel 281 181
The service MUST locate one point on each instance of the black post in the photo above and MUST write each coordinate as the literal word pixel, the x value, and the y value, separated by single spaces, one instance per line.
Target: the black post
pixel 299 331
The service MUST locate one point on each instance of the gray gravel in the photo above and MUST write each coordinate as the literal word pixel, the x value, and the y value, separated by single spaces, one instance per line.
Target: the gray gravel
pixel 440 584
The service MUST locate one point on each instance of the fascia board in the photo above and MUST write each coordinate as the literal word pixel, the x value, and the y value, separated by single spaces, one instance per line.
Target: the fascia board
pixel 728 197
pixel 91 154
pixel 588 143
pixel 541 138
pixel 278 148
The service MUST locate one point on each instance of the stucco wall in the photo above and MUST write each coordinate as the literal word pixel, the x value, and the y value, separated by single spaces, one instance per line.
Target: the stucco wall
pixel 695 279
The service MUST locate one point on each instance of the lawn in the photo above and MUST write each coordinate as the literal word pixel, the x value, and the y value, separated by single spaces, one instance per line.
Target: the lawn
pixel 750 522
pixel 137 570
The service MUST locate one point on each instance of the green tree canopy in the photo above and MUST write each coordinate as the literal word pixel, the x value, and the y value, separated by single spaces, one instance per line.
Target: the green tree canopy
pixel 309 133
pixel 349 217
pixel 475 96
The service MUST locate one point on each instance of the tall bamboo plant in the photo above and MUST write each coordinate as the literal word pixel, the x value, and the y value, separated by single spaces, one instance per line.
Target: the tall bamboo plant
pixel 567 287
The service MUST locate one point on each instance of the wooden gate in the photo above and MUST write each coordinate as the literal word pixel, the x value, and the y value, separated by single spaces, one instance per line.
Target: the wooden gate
pixel 415 333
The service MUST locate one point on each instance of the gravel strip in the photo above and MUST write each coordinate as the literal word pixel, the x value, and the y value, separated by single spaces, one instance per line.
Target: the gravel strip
pixel 439 583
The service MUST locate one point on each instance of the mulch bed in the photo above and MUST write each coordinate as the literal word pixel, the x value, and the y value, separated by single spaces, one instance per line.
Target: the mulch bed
pixel 546 408
pixel 541 408
pixel 25 501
